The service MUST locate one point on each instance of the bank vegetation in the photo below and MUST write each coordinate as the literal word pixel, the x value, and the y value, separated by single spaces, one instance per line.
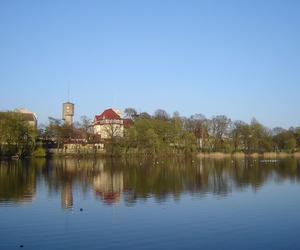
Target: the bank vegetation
pixel 159 134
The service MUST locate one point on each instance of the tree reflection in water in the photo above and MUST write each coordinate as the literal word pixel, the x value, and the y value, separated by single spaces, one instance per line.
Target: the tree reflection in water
pixel 114 180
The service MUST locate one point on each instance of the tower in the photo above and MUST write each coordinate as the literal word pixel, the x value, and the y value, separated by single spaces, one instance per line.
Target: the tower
pixel 68 112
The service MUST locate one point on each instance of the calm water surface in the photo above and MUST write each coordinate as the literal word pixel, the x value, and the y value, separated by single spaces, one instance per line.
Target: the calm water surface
pixel 171 204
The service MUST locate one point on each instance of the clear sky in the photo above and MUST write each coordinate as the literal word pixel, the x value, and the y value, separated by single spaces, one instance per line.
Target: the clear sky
pixel 237 58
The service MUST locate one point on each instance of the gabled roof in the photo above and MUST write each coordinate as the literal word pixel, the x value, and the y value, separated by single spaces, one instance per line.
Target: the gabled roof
pixel 108 114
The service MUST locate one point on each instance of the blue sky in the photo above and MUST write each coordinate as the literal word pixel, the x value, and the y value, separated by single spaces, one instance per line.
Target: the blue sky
pixel 237 58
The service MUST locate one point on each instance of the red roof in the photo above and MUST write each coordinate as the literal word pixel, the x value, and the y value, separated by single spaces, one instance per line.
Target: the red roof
pixel 108 114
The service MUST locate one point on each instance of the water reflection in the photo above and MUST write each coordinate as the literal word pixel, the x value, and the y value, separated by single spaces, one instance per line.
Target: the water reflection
pixel 108 186
pixel 67 196
pixel 113 181
pixel 17 182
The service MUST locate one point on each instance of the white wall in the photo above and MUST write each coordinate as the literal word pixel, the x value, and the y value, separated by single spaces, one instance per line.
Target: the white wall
pixel 109 130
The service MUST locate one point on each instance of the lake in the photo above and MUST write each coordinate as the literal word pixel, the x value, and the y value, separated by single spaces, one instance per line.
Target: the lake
pixel 161 204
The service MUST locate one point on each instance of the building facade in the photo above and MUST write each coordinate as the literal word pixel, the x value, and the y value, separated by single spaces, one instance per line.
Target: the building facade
pixel 110 124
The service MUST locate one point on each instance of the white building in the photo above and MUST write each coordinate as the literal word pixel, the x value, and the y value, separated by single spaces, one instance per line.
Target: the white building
pixel 110 124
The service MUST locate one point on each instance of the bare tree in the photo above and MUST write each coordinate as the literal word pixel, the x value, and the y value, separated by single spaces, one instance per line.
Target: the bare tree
pixel 114 133
pixel 198 125
pixel 219 128
pixel 161 114
pixel 130 113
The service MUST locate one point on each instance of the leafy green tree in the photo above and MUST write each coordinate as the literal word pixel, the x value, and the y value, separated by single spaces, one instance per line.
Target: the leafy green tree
pixel 236 135
pixel 286 140
pixel 17 136
pixel 151 140
pixel 190 143
pixel 59 131
pixel 290 145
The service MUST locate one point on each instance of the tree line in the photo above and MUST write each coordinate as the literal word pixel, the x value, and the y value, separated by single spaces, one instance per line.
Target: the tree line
pixel 164 133
pixel 156 134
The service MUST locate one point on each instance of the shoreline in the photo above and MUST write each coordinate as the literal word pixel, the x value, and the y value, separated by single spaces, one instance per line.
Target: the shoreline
pixel 220 155
pixel 212 155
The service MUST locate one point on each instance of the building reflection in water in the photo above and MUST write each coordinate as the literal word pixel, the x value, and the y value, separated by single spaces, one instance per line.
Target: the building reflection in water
pixel 113 181
pixel 109 186
pixel 67 196
pixel 106 182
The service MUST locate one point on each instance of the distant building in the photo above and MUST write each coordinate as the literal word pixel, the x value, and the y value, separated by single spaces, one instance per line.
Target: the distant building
pixel 110 124
pixel 28 116
pixel 68 112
